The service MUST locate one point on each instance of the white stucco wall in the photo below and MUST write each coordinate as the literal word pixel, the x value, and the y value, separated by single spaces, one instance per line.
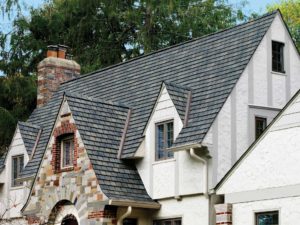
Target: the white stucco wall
pixel 192 210
pixel 262 167
pixel 244 213
pixel 260 92
pixel 13 198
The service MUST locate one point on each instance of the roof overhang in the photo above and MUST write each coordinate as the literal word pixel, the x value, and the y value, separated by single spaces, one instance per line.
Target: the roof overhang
pixel 184 147
pixel 135 204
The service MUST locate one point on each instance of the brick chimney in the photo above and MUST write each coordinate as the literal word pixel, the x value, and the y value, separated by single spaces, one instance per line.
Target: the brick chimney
pixel 54 70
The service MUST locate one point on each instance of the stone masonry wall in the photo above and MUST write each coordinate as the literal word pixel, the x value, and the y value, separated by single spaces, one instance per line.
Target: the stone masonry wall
pixel 77 186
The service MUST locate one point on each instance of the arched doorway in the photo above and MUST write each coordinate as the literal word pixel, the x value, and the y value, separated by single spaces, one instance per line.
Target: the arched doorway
pixel 69 220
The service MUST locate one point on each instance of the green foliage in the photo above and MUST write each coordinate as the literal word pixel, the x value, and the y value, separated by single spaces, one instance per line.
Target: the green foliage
pixel 290 10
pixel 17 100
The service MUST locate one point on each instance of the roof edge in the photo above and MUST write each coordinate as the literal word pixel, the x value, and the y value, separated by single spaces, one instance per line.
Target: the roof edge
pixel 136 204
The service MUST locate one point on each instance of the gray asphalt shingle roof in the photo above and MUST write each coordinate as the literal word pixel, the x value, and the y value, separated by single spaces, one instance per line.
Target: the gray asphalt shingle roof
pixel 209 66
pixel 29 133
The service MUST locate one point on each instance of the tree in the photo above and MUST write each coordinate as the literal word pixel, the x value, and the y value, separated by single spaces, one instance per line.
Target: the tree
pixel 290 10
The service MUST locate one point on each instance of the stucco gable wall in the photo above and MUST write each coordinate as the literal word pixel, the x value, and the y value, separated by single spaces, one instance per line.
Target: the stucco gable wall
pixel 273 161
pixel 258 92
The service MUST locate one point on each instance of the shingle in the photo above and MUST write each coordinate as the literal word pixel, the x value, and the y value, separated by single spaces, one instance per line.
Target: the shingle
pixel 29 133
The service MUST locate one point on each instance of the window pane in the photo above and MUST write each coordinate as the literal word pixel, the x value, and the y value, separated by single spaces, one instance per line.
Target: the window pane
pixel 67 152
pixel 170 138
pixel 270 218
pixel 260 126
pixel 277 56
pixel 160 141
pixel 17 167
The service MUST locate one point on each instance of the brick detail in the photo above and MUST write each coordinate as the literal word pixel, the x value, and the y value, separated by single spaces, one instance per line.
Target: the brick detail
pixel 31 219
pixel 65 129
pixel 108 214
pixel 223 214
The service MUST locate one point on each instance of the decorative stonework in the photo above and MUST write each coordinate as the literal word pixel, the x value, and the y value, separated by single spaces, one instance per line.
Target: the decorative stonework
pixel 223 214
pixel 78 187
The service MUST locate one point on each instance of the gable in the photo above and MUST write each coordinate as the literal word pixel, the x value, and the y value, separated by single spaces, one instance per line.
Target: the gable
pixel 262 165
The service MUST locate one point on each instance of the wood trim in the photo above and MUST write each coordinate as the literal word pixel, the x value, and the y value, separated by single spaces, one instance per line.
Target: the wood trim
pixel 35 144
pixel 187 109
pixel 124 134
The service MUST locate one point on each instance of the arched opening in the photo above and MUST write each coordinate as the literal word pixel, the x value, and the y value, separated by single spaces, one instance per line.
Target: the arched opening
pixel 63 213
pixel 69 220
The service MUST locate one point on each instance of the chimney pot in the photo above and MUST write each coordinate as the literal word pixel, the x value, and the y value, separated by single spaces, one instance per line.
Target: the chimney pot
pixel 62 51
pixel 52 51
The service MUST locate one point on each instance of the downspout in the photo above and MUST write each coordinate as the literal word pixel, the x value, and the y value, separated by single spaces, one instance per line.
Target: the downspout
pixel 205 175
pixel 126 214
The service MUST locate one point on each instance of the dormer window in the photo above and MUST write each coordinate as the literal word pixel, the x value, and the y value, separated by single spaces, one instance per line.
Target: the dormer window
pixel 67 152
pixel 164 139
pixel 277 57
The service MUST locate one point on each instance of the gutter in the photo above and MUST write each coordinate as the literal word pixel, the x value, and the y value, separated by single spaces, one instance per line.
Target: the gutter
pixel 184 147
pixel 126 214
pixel 145 205
pixel 205 170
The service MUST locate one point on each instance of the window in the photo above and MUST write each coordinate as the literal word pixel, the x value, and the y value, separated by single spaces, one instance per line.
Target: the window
pixel 17 166
pixel 277 57
pixel 67 152
pixel 267 218
pixel 176 221
pixel 129 221
pixel 260 126
pixel 164 139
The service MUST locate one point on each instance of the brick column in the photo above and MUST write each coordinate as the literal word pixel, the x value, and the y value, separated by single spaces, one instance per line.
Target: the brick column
pixel 223 214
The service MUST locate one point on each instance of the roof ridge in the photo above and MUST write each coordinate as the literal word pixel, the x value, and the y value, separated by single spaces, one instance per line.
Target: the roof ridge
pixel 172 46
pixel 92 99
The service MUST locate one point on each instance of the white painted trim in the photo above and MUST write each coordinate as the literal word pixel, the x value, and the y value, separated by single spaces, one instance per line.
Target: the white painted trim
pixel 263 194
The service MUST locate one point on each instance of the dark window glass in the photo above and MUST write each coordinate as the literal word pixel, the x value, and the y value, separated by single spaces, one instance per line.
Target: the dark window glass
pixel 267 218
pixel 129 221
pixel 67 146
pixel 167 222
pixel 277 57
pixel 260 126
pixel 17 166
pixel 164 139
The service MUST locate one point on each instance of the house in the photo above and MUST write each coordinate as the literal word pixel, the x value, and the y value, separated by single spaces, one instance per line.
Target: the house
pixel 146 141
pixel 263 186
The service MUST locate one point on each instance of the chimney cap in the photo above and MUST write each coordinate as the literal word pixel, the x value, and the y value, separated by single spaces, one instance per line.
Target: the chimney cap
pixel 52 47
pixel 63 47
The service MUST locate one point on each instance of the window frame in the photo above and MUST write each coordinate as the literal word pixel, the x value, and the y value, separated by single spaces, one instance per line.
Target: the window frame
pixel 256 214
pixel 172 220
pixel 281 60
pixel 256 118
pixel 14 182
pixel 165 134
pixel 67 138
